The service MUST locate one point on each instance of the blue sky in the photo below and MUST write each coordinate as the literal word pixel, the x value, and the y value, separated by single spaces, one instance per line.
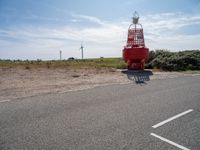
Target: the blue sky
pixel 31 29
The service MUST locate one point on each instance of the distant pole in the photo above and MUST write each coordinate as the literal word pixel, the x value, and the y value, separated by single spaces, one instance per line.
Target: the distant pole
pixel 82 50
pixel 60 55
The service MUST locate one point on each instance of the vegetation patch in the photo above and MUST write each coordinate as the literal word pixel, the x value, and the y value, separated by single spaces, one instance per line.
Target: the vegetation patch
pixel 97 63
pixel 174 61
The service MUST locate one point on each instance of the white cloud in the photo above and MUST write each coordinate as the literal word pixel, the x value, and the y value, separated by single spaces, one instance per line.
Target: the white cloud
pixel 163 31
pixel 169 21
pixel 89 18
pixel 103 38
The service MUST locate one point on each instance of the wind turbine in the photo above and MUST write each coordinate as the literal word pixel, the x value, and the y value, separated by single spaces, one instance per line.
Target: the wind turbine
pixel 81 48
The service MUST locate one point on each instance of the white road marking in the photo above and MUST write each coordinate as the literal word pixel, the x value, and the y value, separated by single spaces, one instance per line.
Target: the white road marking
pixel 172 118
pixel 7 100
pixel 169 142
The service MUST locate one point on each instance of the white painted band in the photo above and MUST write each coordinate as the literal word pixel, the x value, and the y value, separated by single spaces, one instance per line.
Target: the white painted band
pixel 169 142
pixel 2 101
pixel 172 118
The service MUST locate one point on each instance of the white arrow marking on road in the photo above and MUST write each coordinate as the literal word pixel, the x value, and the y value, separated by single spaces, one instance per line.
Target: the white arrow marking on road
pixel 172 118
pixel 168 141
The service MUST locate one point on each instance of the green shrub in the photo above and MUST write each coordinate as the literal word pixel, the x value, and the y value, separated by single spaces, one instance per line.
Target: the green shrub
pixel 174 61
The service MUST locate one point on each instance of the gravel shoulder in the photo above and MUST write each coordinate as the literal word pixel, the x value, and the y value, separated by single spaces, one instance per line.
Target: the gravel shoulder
pixel 17 82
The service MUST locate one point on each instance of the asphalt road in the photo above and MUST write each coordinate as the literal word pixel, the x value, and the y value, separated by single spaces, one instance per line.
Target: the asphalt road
pixel 114 117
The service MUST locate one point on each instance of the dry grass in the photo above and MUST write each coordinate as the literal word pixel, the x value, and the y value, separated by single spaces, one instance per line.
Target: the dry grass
pixel 116 63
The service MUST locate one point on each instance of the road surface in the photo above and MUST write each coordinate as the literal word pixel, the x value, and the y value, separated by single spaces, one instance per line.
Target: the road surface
pixel 154 115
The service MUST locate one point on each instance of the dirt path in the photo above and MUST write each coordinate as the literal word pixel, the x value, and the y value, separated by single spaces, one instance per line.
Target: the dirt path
pixel 17 82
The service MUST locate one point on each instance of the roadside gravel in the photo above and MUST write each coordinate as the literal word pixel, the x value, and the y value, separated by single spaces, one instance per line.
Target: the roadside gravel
pixel 18 82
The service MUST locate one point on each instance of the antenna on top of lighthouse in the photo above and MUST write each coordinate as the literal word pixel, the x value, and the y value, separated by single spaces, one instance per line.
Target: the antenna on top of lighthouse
pixel 81 48
pixel 135 17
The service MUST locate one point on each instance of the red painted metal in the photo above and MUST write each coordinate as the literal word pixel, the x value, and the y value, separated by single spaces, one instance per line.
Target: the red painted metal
pixel 135 54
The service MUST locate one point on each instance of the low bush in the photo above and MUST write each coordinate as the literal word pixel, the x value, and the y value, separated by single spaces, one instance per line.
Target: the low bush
pixel 174 61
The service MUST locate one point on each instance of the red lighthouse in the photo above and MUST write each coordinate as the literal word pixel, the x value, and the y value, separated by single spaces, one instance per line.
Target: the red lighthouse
pixel 135 53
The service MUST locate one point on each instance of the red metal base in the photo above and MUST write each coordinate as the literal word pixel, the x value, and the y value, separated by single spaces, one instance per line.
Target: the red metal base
pixel 135 57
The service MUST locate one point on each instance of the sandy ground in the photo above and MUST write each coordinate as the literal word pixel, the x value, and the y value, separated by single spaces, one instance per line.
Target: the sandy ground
pixel 19 82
